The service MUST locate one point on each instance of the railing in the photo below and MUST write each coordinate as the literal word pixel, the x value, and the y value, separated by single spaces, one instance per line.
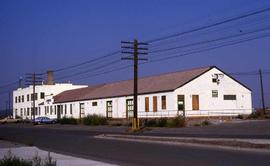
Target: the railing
pixel 193 113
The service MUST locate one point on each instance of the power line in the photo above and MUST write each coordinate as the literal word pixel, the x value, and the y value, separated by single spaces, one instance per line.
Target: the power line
pixel 9 84
pixel 179 55
pixel 209 48
pixel 209 26
pixel 209 41
pixel 87 62
pixel 188 45
pixel 218 31
pixel 90 70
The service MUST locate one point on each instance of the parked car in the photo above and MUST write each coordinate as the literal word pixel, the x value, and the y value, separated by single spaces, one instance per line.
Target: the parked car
pixel 44 120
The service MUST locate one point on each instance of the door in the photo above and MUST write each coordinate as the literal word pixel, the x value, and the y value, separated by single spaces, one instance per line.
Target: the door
pixel 181 104
pixel 82 113
pixel 195 102
pixel 109 109
pixel 129 108
pixel 154 103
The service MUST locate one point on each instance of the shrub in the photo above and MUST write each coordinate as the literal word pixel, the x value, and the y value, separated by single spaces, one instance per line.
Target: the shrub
pixel 240 117
pixel 205 123
pixel 162 122
pixel 94 120
pixel 66 120
pixel 256 115
pixel 150 123
pixel 178 121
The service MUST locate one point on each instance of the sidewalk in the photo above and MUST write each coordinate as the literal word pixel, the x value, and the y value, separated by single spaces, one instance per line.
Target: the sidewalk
pixel 27 152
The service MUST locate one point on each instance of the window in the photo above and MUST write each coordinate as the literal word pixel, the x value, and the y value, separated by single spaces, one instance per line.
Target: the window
pixel 36 96
pixel 24 111
pixel 70 108
pixel 28 111
pixel 55 107
pixel 22 98
pixel 28 97
pixel 94 103
pixel 163 102
pixel 214 93
pixel 146 102
pixel 39 110
pixel 129 105
pixel 16 99
pixel 65 109
pixel 214 80
pixel 61 109
pixel 51 110
pixel 109 109
pixel 229 97
pixel 42 95
pixel 19 99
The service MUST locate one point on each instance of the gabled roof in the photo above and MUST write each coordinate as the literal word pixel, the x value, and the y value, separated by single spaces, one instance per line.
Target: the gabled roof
pixel 153 84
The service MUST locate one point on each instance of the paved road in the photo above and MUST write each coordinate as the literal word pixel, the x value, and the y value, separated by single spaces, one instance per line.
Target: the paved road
pixel 82 144
pixel 259 129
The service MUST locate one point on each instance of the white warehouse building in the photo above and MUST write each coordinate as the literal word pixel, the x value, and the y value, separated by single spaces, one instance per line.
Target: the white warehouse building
pixel 199 92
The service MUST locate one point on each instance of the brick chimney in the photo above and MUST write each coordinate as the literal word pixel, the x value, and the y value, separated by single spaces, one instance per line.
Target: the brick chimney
pixel 50 80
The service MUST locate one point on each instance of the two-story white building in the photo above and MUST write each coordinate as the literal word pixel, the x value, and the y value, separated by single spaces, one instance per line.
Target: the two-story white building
pixel 23 99
pixel 200 92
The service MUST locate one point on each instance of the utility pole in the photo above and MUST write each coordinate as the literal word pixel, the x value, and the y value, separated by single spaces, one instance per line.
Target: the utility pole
pixel 128 45
pixel 32 79
pixel 6 108
pixel 262 91
pixel 9 102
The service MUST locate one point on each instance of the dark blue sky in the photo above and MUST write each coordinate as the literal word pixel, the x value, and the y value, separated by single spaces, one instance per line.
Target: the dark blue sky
pixel 36 35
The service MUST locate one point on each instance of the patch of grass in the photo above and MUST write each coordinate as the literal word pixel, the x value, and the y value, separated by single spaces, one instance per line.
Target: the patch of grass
pixel 11 160
pixel 66 120
pixel 94 120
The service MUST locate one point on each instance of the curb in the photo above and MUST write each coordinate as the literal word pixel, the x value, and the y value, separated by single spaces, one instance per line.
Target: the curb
pixel 229 144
